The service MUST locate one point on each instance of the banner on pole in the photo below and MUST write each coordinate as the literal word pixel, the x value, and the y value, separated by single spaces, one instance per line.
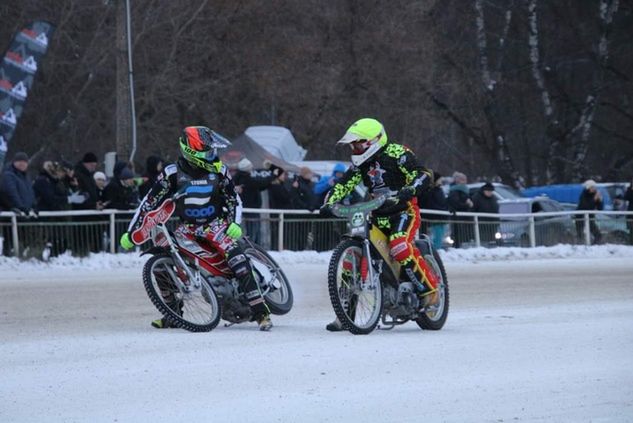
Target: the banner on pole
pixel 17 73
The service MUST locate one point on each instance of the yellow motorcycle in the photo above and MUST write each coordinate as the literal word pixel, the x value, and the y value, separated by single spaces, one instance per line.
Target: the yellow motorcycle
pixel 363 279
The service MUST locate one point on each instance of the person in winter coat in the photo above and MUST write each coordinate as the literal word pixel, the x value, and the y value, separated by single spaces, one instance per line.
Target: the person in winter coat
pixel 628 196
pixel 102 181
pixel 50 191
pixel 249 186
pixel 590 199
pixel 83 172
pixel 16 190
pixel 326 182
pixel 459 201
pixel 120 193
pixel 434 199
pixel 153 168
pixel 484 201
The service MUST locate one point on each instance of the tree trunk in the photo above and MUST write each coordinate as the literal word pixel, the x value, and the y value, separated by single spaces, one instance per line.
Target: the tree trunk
pixel 123 120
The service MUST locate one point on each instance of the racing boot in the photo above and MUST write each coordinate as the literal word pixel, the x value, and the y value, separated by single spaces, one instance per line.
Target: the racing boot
pixel 264 322
pixel 162 323
pixel 334 326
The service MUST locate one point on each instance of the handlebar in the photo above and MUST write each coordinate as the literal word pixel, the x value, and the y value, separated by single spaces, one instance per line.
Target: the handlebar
pixel 341 210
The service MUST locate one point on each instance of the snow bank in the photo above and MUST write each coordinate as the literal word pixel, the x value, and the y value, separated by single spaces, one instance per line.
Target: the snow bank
pixel 103 261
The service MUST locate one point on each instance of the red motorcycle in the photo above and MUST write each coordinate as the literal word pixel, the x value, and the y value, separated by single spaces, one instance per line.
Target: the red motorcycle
pixel 191 284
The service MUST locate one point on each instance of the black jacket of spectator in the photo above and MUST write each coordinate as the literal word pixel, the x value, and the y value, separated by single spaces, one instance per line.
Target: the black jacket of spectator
pixel 458 198
pixel 16 190
pixel 434 199
pixel 252 186
pixel 119 196
pixel 587 201
pixel 50 191
pixel 303 196
pixel 87 186
pixel 628 196
pixel 485 204
pixel 281 197
pixel 151 174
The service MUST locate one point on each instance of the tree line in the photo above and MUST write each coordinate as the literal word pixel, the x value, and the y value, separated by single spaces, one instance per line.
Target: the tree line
pixel 515 88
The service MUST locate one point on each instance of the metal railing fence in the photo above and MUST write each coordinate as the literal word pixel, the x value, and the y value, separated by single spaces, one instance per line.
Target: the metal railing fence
pixel 83 232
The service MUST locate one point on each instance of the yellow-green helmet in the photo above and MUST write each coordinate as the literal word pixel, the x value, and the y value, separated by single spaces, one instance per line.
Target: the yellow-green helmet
pixel 366 137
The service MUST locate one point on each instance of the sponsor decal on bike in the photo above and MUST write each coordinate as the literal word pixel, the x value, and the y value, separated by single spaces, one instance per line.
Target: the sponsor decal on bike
pixel 152 219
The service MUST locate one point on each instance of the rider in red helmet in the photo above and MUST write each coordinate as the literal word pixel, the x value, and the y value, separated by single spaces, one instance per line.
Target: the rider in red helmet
pixel 210 209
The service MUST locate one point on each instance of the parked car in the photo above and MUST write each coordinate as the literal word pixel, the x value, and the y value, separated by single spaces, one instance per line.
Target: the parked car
pixel 570 193
pixel 613 228
pixel 502 191
pixel 548 230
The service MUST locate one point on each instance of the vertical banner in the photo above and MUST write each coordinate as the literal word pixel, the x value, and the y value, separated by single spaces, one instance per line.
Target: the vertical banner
pixel 17 72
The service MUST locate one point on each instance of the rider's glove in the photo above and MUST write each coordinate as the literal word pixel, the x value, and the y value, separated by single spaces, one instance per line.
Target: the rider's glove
pixel 126 241
pixel 406 193
pixel 234 231
pixel 326 211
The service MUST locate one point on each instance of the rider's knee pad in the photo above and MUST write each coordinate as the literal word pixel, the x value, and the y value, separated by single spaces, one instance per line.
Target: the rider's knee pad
pixel 399 249
pixel 239 264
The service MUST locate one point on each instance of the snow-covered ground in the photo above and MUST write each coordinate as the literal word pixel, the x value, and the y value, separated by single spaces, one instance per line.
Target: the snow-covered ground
pixel 531 336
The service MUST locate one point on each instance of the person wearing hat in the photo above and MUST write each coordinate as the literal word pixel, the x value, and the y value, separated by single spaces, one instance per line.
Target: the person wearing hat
pixel 590 199
pixel 101 180
pixel 120 193
pixel 86 183
pixel 250 186
pixel 16 190
pixel 49 188
pixel 434 199
pixel 485 201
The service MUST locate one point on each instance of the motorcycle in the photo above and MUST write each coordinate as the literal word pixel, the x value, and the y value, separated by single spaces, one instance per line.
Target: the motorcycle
pixel 191 284
pixel 363 279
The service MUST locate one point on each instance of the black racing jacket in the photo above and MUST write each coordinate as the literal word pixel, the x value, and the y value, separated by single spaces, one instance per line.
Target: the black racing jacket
pixel 202 196
pixel 386 173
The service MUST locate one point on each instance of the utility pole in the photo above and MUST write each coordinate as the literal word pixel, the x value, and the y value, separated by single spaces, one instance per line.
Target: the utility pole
pixel 125 113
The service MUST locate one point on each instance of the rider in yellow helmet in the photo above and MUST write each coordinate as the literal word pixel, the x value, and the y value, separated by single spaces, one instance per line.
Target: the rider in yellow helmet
pixel 390 169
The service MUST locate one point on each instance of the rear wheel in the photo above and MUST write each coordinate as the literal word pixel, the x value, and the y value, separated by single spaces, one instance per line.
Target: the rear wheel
pixel 273 281
pixel 434 317
pixel 357 305
pixel 195 311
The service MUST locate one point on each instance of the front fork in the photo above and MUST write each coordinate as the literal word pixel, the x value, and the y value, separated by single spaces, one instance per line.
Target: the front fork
pixel 194 277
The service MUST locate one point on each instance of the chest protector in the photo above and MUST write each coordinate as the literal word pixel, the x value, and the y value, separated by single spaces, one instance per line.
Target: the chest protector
pixel 203 199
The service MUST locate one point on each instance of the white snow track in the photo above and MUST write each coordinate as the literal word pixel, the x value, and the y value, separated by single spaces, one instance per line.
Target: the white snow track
pixel 532 340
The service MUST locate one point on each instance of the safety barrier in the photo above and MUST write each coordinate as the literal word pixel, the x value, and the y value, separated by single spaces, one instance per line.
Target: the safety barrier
pixel 87 231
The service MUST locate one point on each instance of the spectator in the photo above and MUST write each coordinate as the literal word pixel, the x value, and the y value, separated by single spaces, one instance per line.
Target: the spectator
pixel 75 196
pixel 120 193
pixel 153 168
pixel 16 190
pixel 85 182
pixel 303 191
pixel 628 196
pixel 434 199
pixel 101 180
pixel 459 201
pixel 324 184
pixel 590 199
pixel 484 201
pixel 280 193
pixel 249 187
pixel 49 188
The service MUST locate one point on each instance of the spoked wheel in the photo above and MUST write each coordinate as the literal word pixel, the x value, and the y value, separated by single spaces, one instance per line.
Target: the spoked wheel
pixel 195 311
pixel 273 281
pixel 357 305
pixel 435 316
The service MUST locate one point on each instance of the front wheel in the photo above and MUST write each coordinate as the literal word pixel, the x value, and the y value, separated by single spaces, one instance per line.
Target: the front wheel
pixel 195 311
pixel 272 280
pixel 435 317
pixel 357 304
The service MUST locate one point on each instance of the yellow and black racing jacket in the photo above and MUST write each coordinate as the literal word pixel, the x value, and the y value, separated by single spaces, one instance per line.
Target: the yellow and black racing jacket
pixel 386 173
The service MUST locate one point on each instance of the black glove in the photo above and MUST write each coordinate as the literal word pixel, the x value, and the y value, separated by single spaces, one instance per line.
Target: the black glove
pixel 276 170
pixel 326 211
pixel 33 214
pixel 19 212
pixel 406 193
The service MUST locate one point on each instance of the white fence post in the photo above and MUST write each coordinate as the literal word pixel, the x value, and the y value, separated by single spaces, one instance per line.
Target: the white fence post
pixel 587 230
pixel 280 233
pixel 477 235
pixel 14 233
pixel 532 233
pixel 112 233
